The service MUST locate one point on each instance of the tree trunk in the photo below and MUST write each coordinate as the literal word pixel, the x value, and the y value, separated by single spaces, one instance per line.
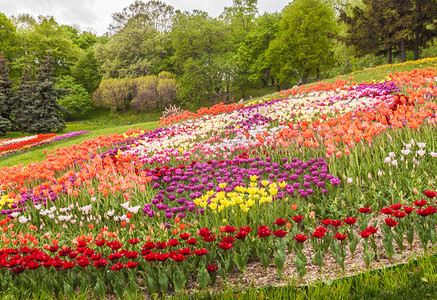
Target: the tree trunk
pixel 318 74
pixel 305 76
pixel 227 93
pixel 403 50
pixel 389 56
pixel 416 45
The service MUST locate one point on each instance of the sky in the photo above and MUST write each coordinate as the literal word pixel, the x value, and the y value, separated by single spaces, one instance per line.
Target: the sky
pixel 95 15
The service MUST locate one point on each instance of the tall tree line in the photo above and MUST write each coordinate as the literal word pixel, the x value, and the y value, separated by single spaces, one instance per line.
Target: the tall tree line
pixel 389 26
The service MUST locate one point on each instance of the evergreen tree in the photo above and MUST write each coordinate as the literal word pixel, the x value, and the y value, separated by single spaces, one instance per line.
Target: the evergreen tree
pixel 423 23
pixel 35 108
pixel 24 97
pixel 5 96
pixel 382 26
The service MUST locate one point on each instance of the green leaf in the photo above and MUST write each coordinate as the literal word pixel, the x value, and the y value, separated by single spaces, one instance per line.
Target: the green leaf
pixel 68 290
pixel 279 259
pixel 353 245
pixel 410 235
pixel 132 290
pixel 368 256
pixel 265 260
pixel 222 271
pixel 399 239
pixel 300 266
pixel 151 284
pixel 432 235
pixel 302 257
pixel 203 278
pixel 339 259
pixel 179 281
pixel 118 289
pixel 100 288
pixel 163 281
pixel 318 258
pixel 241 261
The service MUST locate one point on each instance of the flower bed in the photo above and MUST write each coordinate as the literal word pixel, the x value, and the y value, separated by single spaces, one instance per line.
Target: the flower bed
pixel 8 147
pixel 327 174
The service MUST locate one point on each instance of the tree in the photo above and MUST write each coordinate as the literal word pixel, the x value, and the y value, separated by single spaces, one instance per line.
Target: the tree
pixel 9 44
pixel 302 46
pixel 146 94
pixel 153 92
pixel 252 68
pixel 114 94
pixel 423 24
pixel 139 44
pixel 35 108
pixel 5 96
pixel 77 102
pixel 381 26
pixel 168 88
pixel 154 13
pixel 86 70
pixel 25 98
pixel 135 51
pixel 201 45
pixel 47 37
pixel 8 38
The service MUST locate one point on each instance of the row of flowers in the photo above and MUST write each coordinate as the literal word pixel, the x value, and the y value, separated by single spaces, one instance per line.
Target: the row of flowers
pixel 13 144
pixel 26 143
pixel 203 253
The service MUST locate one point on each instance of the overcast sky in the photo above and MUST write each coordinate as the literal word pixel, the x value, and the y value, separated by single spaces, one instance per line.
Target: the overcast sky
pixel 96 14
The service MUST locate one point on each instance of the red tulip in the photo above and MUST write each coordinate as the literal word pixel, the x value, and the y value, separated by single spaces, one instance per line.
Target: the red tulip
pixel 430 194
pixel 340 236
pixel 300 238
pixel 280 233
pixel 390 222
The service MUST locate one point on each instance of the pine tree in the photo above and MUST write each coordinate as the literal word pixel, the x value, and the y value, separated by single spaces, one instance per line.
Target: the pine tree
pixel 35 108
pixel 23 101
pixel 5 96
pixel 423 23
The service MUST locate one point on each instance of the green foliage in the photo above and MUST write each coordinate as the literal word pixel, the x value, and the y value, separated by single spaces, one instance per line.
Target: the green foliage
pixel 200 56
pixel 140 41
pixel 302 47
pixel 5 125
pixel 154 92
pixel 5 96
pixel 77 101
pixel 114 94
pixel 5 88
pixel 8 37
pixel 47 37
pixel 86 71
pixel 34 108
pixel 383 26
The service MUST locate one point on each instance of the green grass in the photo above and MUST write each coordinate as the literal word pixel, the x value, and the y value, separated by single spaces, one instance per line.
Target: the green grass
pixel 380 72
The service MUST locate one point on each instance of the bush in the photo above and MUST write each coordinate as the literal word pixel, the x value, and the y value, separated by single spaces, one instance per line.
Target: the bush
pixel 77 101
